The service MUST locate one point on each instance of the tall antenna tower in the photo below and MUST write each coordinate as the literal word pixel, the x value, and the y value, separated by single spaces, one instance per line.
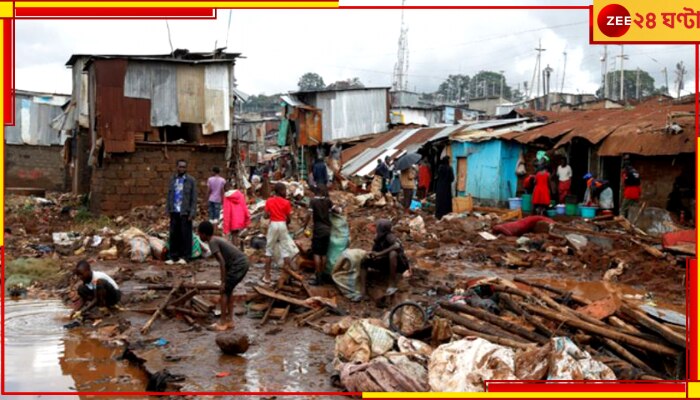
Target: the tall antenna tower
pixel 680 77
pixel 400 78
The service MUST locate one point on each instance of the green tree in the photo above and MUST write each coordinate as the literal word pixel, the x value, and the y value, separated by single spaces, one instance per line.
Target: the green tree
pixel 353 83
pixel 487 84
pixel 454 89
pixel 646 85
pixel 311 81
pixel 261 102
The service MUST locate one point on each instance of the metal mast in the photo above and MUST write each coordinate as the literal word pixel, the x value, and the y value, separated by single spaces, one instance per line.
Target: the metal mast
pixel 400 78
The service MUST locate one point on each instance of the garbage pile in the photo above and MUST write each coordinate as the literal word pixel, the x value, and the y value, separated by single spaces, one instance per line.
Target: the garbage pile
pixel 500 329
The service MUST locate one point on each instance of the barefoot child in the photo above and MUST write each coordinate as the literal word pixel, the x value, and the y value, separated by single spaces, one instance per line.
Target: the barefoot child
pixel 98 289
pixel 234 266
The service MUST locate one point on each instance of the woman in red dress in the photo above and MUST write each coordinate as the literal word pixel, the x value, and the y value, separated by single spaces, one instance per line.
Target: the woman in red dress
pixel 541 198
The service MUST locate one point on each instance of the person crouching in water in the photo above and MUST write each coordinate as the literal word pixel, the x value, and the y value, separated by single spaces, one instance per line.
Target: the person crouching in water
pixel 233 265
pixel 387 255
pixel 98 289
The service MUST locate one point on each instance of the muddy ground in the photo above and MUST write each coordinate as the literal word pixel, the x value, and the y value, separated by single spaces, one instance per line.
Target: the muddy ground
pixel 285 357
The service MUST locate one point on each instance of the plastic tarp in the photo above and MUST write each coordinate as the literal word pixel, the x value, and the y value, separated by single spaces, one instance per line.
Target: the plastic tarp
pixel 363 341
pixel 346 272
pixel 340 237
pixel 397 374
pixel 465 365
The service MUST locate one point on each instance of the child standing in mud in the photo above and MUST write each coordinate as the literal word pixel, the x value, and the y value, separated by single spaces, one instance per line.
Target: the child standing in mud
pixel 279 210
pixel 98 289
pixel 234 266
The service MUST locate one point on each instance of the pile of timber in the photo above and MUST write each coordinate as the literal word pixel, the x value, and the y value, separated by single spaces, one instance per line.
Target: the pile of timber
pixel 184 299
pixel 623 335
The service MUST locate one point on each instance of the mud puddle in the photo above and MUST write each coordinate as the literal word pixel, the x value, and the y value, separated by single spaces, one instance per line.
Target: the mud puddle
pixel 43 356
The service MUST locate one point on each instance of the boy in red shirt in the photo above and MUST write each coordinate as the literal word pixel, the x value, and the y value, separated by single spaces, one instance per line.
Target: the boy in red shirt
pixel 279 210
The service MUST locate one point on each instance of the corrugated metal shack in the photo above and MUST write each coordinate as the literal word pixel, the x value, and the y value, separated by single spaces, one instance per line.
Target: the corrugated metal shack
pixel 349 113
pixel 127 104
pixel 484 164
pixel 658 134
pixel 33 147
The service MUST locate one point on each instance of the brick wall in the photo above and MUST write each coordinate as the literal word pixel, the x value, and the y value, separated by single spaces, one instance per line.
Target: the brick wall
pixel 130 180
pixel 35 166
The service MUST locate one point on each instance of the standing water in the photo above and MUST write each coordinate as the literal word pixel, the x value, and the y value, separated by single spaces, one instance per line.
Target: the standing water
pixel 42 356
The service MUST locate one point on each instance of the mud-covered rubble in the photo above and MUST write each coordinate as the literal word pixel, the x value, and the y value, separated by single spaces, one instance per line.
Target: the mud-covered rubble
pixel 588 266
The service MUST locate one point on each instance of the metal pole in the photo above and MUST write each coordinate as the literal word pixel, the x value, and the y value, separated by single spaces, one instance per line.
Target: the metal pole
pixel 622 73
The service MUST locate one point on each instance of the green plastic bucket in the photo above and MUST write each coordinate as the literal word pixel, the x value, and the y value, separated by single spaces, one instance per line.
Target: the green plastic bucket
pixel 527 203
pixel 571 209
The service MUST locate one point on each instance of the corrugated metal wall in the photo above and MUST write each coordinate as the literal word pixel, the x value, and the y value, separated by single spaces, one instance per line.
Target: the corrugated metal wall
pixel 118 117
pixel 348 114
pixel 216 99
pixel 190 93
pixel 488 163
pixel 164 97
pixel 33 120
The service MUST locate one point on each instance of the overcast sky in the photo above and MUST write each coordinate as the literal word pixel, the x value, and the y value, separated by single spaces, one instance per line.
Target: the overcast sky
pixel 281 45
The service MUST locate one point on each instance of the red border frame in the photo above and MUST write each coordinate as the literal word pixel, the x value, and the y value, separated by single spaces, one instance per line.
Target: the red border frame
pixel 201 13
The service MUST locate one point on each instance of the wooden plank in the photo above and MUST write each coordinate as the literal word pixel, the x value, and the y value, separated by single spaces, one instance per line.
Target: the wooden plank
pixel 281 297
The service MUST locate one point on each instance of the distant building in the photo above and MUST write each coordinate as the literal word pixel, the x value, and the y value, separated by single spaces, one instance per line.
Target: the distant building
pixel 487 104
pixel 34 149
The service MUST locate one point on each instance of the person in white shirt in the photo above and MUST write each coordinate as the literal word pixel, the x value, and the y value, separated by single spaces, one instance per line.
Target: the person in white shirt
pixel 564 175
pixel 98 289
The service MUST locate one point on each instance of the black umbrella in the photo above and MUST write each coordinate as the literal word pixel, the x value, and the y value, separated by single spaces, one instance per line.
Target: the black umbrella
pixel 406 161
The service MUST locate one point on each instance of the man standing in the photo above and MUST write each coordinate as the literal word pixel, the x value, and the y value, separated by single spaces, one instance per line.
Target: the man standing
pixel 632 187
pixel 215 183
pixel 233 265
pixel 320 172
pixel 408 184
pixel 382 171
pixel 320 210
pixel 564 174
pixel 181 205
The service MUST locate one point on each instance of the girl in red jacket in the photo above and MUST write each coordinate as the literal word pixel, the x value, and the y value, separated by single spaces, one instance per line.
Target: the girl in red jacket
pixel 236 214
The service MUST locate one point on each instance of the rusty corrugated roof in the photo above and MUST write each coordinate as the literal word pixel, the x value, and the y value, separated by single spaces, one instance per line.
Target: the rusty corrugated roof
pixel 601 125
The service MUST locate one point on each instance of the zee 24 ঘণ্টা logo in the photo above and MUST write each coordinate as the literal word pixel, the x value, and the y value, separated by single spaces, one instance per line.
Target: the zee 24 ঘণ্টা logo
pixel 615 21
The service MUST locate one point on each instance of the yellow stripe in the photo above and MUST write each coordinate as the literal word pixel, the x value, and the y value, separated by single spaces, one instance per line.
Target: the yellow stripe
pixel 528 395
pixel 694 390
pixel 6 10
pixel 184 4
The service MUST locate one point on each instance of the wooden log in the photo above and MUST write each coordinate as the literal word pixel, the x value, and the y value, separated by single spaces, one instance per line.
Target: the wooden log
pixel 513 305
pixel 160 309
pixel 496 320
pixel 639 214
pixel 654 252
pixel 182 299
pixel 646 321
pixel 556 290
pixel 299 277
pixel 315 314
pixel 462 331
pixel 188 312
pixel 613 320
pixel 625 354
pixel 203 303
pixel 281 297
pixel 303 315
pixel 286 312
pixel 186 285
pixel 602 331
pixel 478 326
pixel 267 312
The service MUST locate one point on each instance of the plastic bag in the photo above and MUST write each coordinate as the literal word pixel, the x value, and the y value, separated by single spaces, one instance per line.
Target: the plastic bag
pixel 346 272
pixel 140 249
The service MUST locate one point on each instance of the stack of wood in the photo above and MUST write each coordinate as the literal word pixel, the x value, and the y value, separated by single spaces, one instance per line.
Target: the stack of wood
pixel 183 299
pixel 615 334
